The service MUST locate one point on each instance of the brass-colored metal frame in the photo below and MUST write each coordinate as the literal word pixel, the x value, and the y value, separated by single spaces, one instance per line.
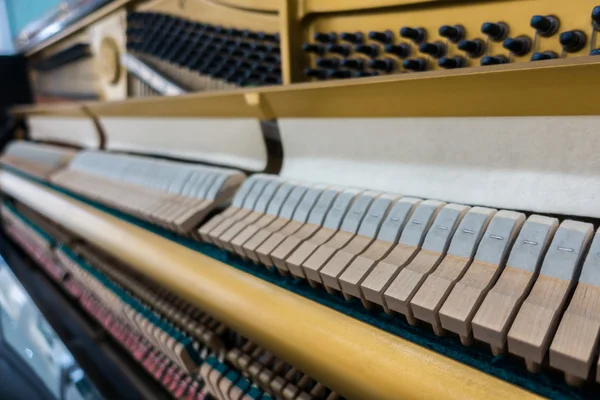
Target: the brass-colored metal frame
pixel 555 87
pixel 296 20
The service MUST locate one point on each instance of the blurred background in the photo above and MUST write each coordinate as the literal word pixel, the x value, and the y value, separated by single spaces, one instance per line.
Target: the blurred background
pixel 34 362
pixel 16 14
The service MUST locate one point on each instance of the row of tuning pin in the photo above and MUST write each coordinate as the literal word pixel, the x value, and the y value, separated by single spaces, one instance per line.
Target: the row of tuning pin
pixel 237 56
pixel 545 26
pixel 158 22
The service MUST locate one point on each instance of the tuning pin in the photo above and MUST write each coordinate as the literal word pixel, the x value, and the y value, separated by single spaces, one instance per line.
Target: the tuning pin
pixel 417 35
pixel 362 74
pixel 210 69
pixel 206 68
pixel 234 32
pixel 232 77
pixel 250 35
pixel 259 68
pixel 340 74
pixel 382 37
pixel 193 61
pixel 370 50
pixel 243 65
pixel 519 46
pixel 435 50
pixel 208 61
pixel 243 82
pixel 313 48
pixel 544 25
pixel 219 40
pixel 325 37
pixel 355 38
pixel 200 37
pixel 273 69
pixel 237 53
pixel 199 27
pixel 453 33
pixel 258 47
pixel 353 63
pixel 273 49
pixel 474 48
pixel 495 31
pixel 272 59
pixel 210 28
pixel 225 50
pixel 546 55
pixel 217 73
pixel 573 41
pixel 328 62
pixel 254 56
pixel 386 65
pixel 415 64
pixel 254 79
pixel 132 16
pixel 230 62
pixel 315 73
pixel 596 17
pixel 452 62
pixel 400 50
pixel 268 37
pixel 595 52
pixel 232 74
pixel 341 49
pixel 493 60
pixel 270 79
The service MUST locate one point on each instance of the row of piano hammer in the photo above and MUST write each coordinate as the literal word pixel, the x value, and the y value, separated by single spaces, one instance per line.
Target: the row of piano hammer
pixel 100 274
pixel 497 276
pixel 172 194
pixel 472 271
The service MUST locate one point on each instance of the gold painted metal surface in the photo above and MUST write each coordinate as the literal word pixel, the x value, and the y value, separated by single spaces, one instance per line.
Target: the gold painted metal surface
pixel 322 6
pixel 50 110
pixel 226 103
pixel 431 15
pixel 291 42
pixel 214 13
pixel 556 87
pixel 353 358
pixel 261 5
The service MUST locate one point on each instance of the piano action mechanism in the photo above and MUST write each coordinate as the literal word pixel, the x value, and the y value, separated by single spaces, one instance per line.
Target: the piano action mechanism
pixel 428 234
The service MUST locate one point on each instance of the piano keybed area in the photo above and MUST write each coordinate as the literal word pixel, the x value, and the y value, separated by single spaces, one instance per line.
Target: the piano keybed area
pixel 190 353
pixel 513 285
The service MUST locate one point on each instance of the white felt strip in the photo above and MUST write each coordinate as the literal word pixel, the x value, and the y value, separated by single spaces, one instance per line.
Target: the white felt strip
pixel 69 130
pixel 235 142
pixel 540 164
